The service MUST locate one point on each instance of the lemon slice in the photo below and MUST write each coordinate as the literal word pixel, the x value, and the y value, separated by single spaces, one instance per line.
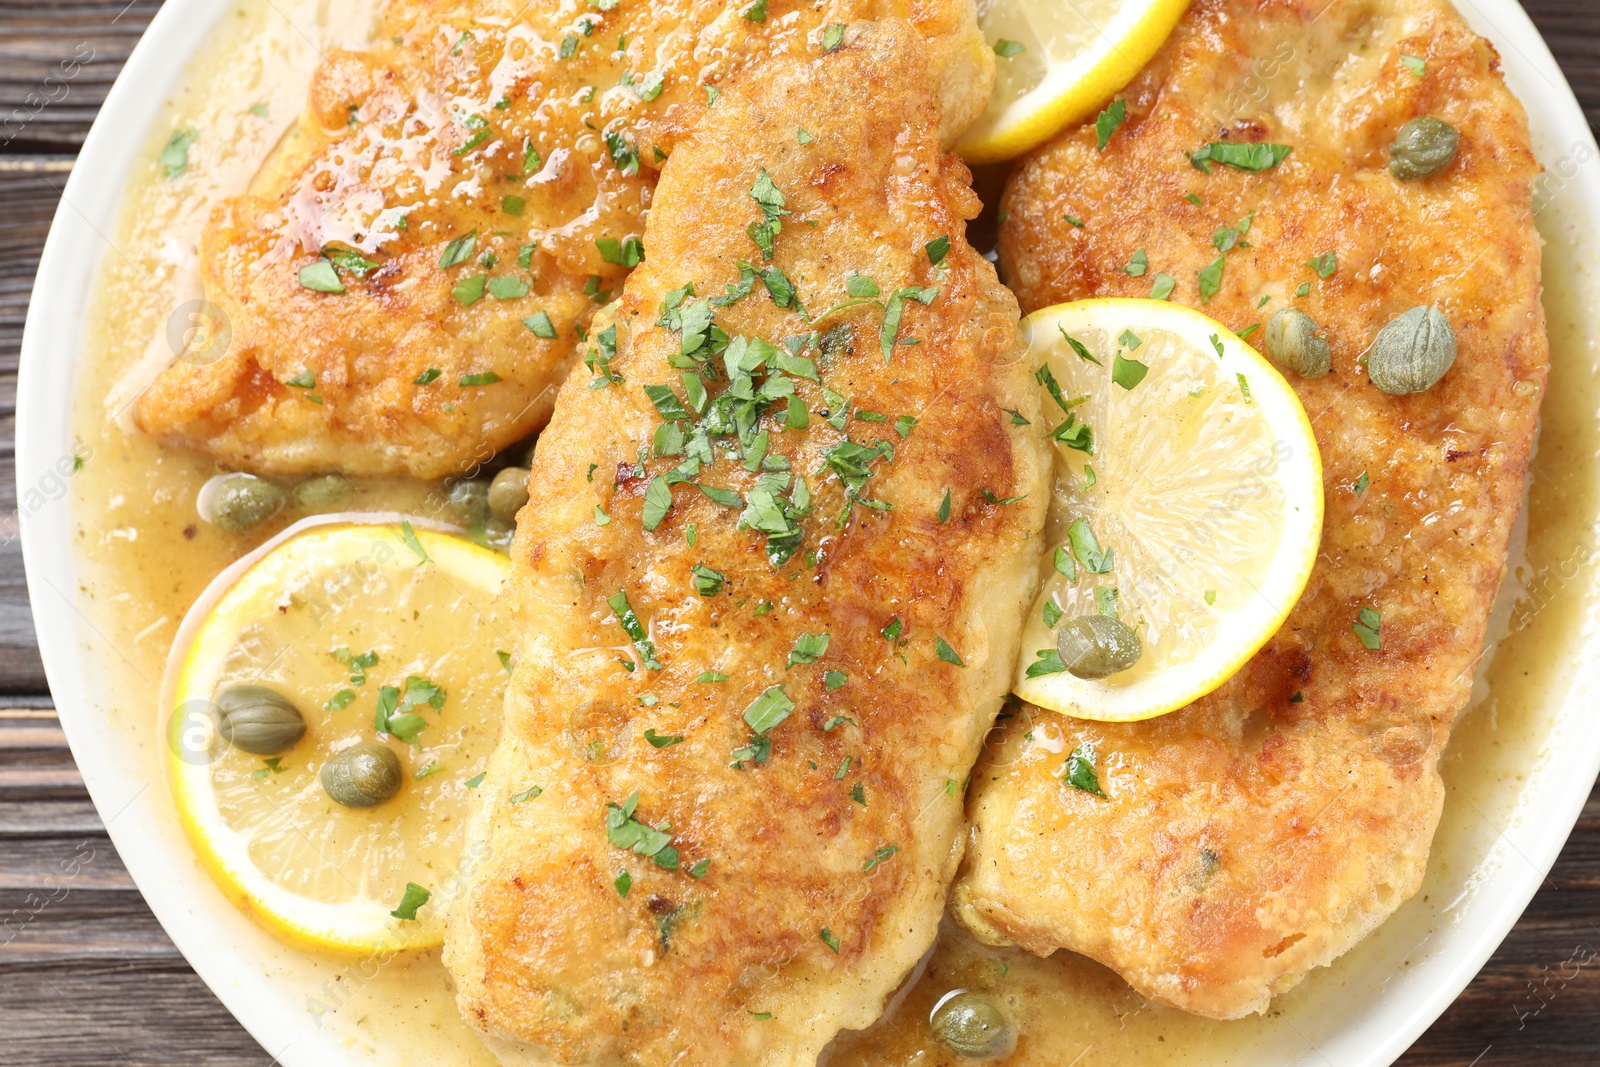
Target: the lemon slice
pixel 1187 502
pixel 1058 63
pixel 342 619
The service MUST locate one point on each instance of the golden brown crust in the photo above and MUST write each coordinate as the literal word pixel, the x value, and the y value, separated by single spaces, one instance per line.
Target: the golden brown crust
pixel 1262 831
pixel 547 956
pixel 414 130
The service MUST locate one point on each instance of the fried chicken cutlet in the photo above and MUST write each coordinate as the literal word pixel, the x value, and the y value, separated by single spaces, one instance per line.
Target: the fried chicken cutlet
pixel 769 587
pixel 410 276
pixel 1266 828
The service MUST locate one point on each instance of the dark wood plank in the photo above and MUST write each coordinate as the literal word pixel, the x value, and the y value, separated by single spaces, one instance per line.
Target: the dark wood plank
pixel 30 187
pixel 87 976
pixel 57 60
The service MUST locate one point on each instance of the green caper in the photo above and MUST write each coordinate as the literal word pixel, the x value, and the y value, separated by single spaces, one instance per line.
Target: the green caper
pixel 362 776
pixel 508 492
pixel 972 1024
pixel 1097 646
pixel 321 493
pixel 258 719
pixel 470 501
pixel 1293 344
pixel 1423 146
pixel 241 502
pixel 1412 352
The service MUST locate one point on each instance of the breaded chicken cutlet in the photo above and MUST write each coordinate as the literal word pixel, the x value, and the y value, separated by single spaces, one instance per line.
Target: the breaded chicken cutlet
pixel 410 276
pixel 768 589
pixel 1265 829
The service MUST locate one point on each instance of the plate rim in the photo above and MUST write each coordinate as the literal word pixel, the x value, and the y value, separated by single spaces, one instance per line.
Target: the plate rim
pixel 91 205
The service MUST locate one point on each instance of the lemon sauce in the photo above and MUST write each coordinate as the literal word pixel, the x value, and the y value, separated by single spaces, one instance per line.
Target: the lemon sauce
pixel 145 556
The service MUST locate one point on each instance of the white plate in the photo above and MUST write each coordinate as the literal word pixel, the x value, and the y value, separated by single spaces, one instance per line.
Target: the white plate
pixel 1379 1008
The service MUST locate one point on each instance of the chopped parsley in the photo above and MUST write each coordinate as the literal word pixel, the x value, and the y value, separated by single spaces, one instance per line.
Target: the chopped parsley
pixel 507 287
pixel 478 132
pixel 628 252
pixel 469 290
pixel 1080 773
pixel 942 649
pixel 414 897
pixel 634 629
pixel 623 154
pixel 321 277
pixel 883 853
pixel 1367 627
pixel 1007 49
pixel 409 536
pixel 707 582
pixel 768 710
pixel 1107 122
pixel 539 322
pixel 459 250
pixel 661 740
pixel 1048 662
pixel 1210 278
pixel 1127 372
pixel 808 648
pixel 1253 157
pixel 1086 548
pixel 657 502
pixel 625 830
pixel 174 158
pixel 773 208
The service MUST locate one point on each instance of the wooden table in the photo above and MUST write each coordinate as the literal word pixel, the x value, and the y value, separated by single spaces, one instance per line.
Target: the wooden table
pixel 87 976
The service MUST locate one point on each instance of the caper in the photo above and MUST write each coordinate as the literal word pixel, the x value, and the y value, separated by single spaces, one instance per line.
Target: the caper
pixel 971 1024
pixel 1293 344
pixel 321 493
pixel 1412 352
pixel 1423 146
pixel 258 719
pixel 241 502
pixel 470 501
pixel 1097 646
pixel 362 776
pixel 508 492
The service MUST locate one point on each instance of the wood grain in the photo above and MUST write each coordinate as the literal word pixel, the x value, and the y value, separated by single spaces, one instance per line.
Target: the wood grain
pixel 87 976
